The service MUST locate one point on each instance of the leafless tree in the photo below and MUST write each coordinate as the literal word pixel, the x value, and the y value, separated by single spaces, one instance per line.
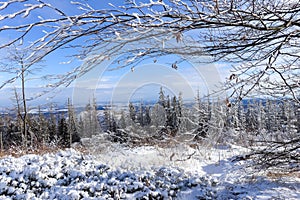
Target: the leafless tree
pixel 259 38
pixel 15 64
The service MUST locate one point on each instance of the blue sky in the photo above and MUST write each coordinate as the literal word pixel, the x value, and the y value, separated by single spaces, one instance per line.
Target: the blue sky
pixel 118 85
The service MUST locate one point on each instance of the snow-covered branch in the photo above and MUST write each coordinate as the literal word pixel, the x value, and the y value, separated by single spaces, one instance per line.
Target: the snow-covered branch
pixel 262 35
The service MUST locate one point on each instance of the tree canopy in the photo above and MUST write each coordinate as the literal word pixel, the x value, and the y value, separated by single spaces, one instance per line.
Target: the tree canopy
pixel 260 38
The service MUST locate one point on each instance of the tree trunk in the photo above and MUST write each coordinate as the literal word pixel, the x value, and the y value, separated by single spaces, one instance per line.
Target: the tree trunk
pixel 24 118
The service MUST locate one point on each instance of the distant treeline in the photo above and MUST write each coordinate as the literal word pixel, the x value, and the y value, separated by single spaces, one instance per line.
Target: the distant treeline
pixel 167 118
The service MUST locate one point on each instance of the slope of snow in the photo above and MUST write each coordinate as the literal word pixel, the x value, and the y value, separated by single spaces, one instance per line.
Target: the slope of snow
pixel 138 173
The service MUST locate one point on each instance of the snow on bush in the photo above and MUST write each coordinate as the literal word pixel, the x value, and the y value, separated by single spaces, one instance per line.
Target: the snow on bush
pixel 70 175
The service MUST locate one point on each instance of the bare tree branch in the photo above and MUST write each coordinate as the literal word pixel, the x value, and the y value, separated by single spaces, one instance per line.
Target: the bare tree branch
pixel 262 35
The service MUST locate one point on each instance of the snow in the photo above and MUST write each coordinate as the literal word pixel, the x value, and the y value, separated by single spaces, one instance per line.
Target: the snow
pixel 119 172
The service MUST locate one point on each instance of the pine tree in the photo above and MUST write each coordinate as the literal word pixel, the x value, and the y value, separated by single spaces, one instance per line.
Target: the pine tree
pixel 140 118
pixel 113 126
pixel 251 117
pixel 261 118
pixel 282 117
pixel 90 123
pixel 80 126
pixel 43 128
pixel 132 112
pixel 171 119
pixel 94 119
pixel 269 116
pixel 158 116
pixel 1 134
pixel 202 118
pixel 179 108
pixel 174 110
pixel 291 118
pixel 63 132
pixel 122 121
pixel 162 98
pixel 72 126
pixel 52 126
pixel 147 118
pixel 168 113
pixel 297 113
pixel 107 119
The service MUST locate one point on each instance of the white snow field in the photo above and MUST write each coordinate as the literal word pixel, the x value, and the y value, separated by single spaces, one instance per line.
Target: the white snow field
pixel 118 172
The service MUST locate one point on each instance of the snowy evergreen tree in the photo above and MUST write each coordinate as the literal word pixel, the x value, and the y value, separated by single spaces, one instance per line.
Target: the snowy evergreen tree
pixel 140 117
pixel 122 121
pixel 297 113
pixel 43 131
pixel 282 117
pixel 162 98
pixel 251 117
pixel 147 118
pixel 158 116
pixel 261 118
pixel 52 126
pixel 63 132
pixel 179 107
pixel 72 125
pixel 1 135
pixel 169 112
pixel 175 113
pixel 291 119
pixel 202 118
pixel 89 117
pixel 107 126
pixel 132 112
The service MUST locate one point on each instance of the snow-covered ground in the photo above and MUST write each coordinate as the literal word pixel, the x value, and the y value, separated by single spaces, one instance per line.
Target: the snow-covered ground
pixel 118 172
